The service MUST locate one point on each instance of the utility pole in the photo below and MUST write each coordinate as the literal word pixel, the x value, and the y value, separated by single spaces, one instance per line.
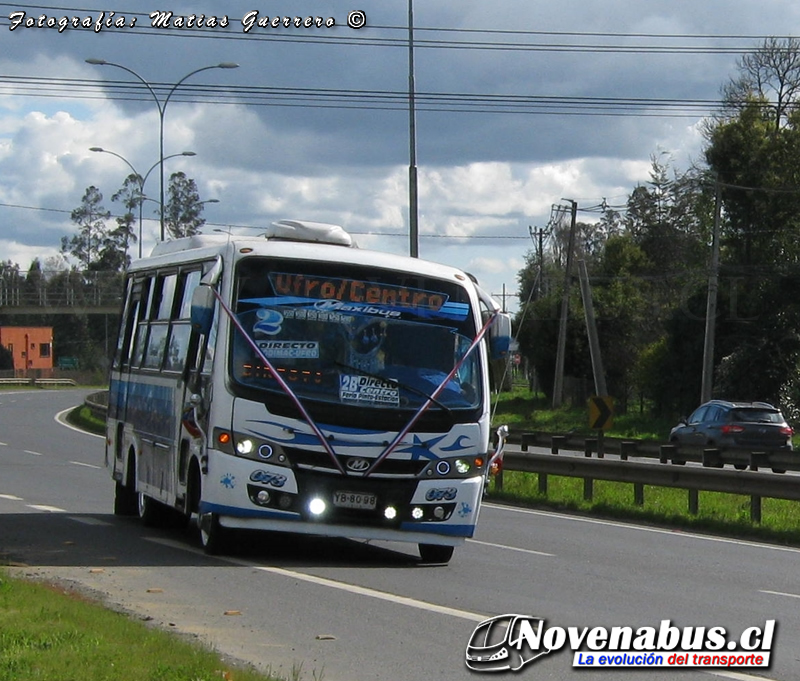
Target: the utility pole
pixel 591 331
pixel 541 264
pixel 413 210
pixel 538 236
pixel 558 383
pixel 711 304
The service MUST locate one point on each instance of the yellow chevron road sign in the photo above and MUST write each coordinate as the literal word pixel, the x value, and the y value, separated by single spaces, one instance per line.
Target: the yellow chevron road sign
pixel 601 412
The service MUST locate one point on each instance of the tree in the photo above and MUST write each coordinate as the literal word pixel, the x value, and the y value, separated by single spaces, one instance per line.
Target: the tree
pixel 668 219
pixel 90 216
pixel 770 75
pixel 131 197
pixel 182 214
pixel 757 168
pixel 753 148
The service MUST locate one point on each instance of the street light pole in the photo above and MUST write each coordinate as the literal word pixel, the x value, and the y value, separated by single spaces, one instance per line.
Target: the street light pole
pixel 142 179
pixel 162 108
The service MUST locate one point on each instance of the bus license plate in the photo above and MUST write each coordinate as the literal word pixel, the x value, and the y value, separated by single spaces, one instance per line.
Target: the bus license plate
pixel 355 500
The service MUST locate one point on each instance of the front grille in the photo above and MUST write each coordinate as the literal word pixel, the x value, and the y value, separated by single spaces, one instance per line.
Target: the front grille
pixel 302 458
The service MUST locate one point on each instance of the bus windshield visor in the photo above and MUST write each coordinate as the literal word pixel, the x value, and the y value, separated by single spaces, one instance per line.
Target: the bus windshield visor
pixel 355 336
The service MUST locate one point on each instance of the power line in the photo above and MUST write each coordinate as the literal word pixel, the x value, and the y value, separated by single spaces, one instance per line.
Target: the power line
pixel 339 98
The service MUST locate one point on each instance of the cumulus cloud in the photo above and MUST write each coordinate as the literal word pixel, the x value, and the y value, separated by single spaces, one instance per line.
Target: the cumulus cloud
pixel 486 173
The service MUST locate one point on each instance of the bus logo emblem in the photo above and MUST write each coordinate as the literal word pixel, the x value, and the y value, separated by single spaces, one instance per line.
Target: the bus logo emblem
pixel 357 464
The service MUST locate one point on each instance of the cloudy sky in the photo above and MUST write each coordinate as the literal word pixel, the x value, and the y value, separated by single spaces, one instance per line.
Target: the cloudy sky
pixel 520 105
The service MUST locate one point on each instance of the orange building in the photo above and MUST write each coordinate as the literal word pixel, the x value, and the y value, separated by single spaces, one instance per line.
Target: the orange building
pixel 31 346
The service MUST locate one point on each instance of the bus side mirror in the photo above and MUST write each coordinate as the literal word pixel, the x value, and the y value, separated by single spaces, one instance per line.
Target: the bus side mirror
pixel 500 336
pixel 202 314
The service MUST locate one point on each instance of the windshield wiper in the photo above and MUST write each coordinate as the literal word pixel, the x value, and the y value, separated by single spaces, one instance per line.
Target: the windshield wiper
pixel 397 383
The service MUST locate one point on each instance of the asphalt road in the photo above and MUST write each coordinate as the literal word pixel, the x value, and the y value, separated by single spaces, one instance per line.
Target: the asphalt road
pixel 348 611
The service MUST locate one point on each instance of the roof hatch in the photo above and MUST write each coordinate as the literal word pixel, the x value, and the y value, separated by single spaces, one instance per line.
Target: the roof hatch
pixel 311 232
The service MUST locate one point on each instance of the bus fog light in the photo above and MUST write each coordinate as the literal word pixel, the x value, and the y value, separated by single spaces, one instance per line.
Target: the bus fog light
pixel 417 513
pixel 263 497
pixel 390 513
pixel 317 506
pixel 438 513
pixel 443 468
pixel 285 501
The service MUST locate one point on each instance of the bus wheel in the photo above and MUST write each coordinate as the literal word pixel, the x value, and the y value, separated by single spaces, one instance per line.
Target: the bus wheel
pixel 150 511
pixel 213 536
pixel 125 500
pixel 434 553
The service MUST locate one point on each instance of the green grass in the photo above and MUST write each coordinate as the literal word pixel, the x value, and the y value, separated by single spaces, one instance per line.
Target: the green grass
pixel 49 634
pixel 82 417
pixel 724 514
pixel 521 410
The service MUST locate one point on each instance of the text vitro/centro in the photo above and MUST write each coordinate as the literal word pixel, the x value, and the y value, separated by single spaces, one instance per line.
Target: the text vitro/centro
pixel 167 20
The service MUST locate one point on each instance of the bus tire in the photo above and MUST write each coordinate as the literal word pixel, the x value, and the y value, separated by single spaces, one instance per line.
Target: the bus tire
pixel 125 500
pixel 150 511
pixel 435 553
pixel 213 536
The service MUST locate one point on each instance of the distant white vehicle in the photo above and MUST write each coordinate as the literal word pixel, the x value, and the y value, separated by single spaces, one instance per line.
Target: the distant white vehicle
pixel 296 383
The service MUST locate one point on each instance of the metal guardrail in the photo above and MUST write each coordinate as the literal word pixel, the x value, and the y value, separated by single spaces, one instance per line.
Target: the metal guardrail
pixel 97 404
pixel 708 478
pixel 712 457
pixel 40 382
pixel 694 479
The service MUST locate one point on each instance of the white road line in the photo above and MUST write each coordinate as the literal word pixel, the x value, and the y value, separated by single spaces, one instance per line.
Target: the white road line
pixel 28 451
pixel 61 418
pixel 322 581
pixel 642 528
pixel 372 593
pixel 11 497
pixel 3 444
pixel 778 593
pixel 738 676
pixel 511 548
pixel 47 509
pixel 85 465
pixel 382 595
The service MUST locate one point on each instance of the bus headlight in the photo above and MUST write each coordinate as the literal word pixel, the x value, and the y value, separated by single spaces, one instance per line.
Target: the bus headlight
pixel 462 466
pixel 456 467
pixel 249 447
pixel 245 447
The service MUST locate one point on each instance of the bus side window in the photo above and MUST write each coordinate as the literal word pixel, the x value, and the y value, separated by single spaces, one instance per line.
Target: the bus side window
pixel 180 327
pixel 156 345
pixel 161 304
pixel 139 338
pixel 177 346
pixel 125 328
pixel 166 293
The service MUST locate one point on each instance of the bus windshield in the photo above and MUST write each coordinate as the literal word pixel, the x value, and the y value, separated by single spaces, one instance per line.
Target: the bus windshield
pixel 354 336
